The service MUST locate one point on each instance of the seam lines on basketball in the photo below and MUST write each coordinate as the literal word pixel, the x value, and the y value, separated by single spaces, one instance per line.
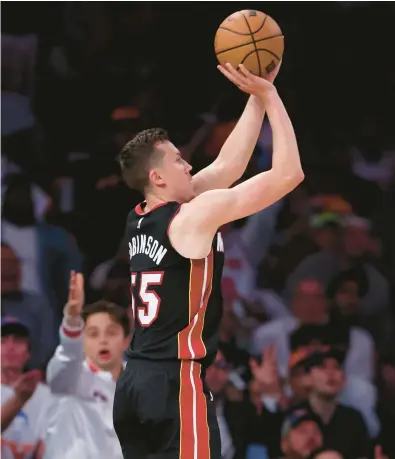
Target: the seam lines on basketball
pixel 249 43
pixel 259 49
pixel 242 33
pixel 256 49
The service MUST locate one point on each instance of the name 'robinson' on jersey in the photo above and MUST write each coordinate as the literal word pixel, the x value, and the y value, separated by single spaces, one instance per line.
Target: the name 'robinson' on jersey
pixel 176 302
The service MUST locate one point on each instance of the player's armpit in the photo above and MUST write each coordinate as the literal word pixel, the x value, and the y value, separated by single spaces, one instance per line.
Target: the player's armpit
pixel 192 231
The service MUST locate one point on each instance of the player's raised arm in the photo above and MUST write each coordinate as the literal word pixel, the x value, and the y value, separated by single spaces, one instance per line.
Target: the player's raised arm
pixel 236 152
pixel 193 228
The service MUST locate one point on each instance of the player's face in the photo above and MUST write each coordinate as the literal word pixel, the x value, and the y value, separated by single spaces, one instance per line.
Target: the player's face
pixel 14 351
pixel 301 441
pixel 327 379
pixel 175 173
pixel 105 341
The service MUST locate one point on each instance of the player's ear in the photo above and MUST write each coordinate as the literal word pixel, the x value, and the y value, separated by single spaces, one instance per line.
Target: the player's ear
pixel 156 177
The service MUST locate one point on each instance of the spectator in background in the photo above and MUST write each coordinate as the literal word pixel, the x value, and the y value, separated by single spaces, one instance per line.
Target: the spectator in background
pixel 301 434
pixel 239 421
pixel 371 161
pixel 46 252
pixel 83 373
pixel 340 251
pixel 356 393
pixel 24 400
pixel 31 308
pixel 299 380
pixel 311 323
pixel 386 402
pixel 345 292
pixel 326 454
pixel 116 284
pixel 293 240
pixel 239 358
pixel 343 427
pixel 217 379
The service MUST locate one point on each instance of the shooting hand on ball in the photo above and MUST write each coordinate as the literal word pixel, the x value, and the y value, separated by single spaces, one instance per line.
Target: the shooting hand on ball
pixel 249 83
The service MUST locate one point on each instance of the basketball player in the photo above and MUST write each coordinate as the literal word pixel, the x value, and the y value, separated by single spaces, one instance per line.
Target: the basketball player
pixel 162 407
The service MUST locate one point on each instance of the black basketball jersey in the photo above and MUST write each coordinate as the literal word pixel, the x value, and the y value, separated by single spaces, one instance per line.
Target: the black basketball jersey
pixel 176 302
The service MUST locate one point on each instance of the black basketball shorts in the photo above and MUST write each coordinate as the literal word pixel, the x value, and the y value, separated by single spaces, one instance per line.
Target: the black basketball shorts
pixel 163 410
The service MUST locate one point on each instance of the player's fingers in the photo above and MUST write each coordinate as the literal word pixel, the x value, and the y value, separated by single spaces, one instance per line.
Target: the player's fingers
pixel 244 71
pixel 240 77
pixel 225 72
pixel 229 76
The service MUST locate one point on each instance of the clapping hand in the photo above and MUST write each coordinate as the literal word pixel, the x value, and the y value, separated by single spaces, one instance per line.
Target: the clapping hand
pixel 26 385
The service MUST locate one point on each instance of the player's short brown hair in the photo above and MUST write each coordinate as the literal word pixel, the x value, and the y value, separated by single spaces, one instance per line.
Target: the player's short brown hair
pixel 138 155
pixel 116 312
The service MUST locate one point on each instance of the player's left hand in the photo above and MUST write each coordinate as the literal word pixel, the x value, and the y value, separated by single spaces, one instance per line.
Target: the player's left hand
pixel 249 83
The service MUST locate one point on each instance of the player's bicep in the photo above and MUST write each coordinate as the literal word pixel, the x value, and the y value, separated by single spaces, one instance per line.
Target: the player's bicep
pixel 215 208
pixel 193 229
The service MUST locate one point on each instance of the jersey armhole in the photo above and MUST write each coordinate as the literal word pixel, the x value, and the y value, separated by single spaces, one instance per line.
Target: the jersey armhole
pixel 171 221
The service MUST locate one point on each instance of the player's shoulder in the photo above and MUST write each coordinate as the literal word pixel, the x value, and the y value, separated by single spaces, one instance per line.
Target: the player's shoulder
pixel 160 210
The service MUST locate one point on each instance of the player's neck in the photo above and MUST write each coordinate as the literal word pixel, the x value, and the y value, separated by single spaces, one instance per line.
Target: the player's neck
pixel 152 200
pixel 9 375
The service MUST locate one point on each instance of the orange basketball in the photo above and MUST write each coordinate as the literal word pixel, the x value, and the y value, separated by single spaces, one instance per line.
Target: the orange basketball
pixel 250 38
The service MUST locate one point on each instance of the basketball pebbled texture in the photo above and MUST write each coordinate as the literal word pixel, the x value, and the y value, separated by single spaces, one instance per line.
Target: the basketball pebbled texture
pixel 251 38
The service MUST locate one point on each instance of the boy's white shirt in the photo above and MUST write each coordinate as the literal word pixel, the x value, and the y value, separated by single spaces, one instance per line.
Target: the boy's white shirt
pixel 80 424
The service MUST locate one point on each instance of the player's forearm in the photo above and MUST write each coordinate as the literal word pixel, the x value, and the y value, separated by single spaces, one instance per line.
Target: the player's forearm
pixel 237 150
pixel 9 410
pixel 286 173
pixel 286 159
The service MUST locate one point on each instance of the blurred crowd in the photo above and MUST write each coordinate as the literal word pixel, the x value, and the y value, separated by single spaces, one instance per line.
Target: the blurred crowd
pixel 306 367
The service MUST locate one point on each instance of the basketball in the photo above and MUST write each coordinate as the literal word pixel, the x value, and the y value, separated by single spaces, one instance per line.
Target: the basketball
pixel 250 38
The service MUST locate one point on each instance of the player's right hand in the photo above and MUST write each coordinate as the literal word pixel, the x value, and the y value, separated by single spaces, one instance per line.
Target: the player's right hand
pixel 26 385
pixel 75 302
pixel 249 83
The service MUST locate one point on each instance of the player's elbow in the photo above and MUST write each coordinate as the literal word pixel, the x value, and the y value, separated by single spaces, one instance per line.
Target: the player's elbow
pixel 293 176
pixel 295 179
pixel 298 176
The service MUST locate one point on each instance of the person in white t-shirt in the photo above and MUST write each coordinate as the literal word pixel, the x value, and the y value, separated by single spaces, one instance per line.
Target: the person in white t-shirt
pixel 24 399
pixel 83 374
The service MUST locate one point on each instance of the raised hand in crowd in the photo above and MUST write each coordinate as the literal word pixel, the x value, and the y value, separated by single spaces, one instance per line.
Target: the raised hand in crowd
pixel 75 302
pixel 266 373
